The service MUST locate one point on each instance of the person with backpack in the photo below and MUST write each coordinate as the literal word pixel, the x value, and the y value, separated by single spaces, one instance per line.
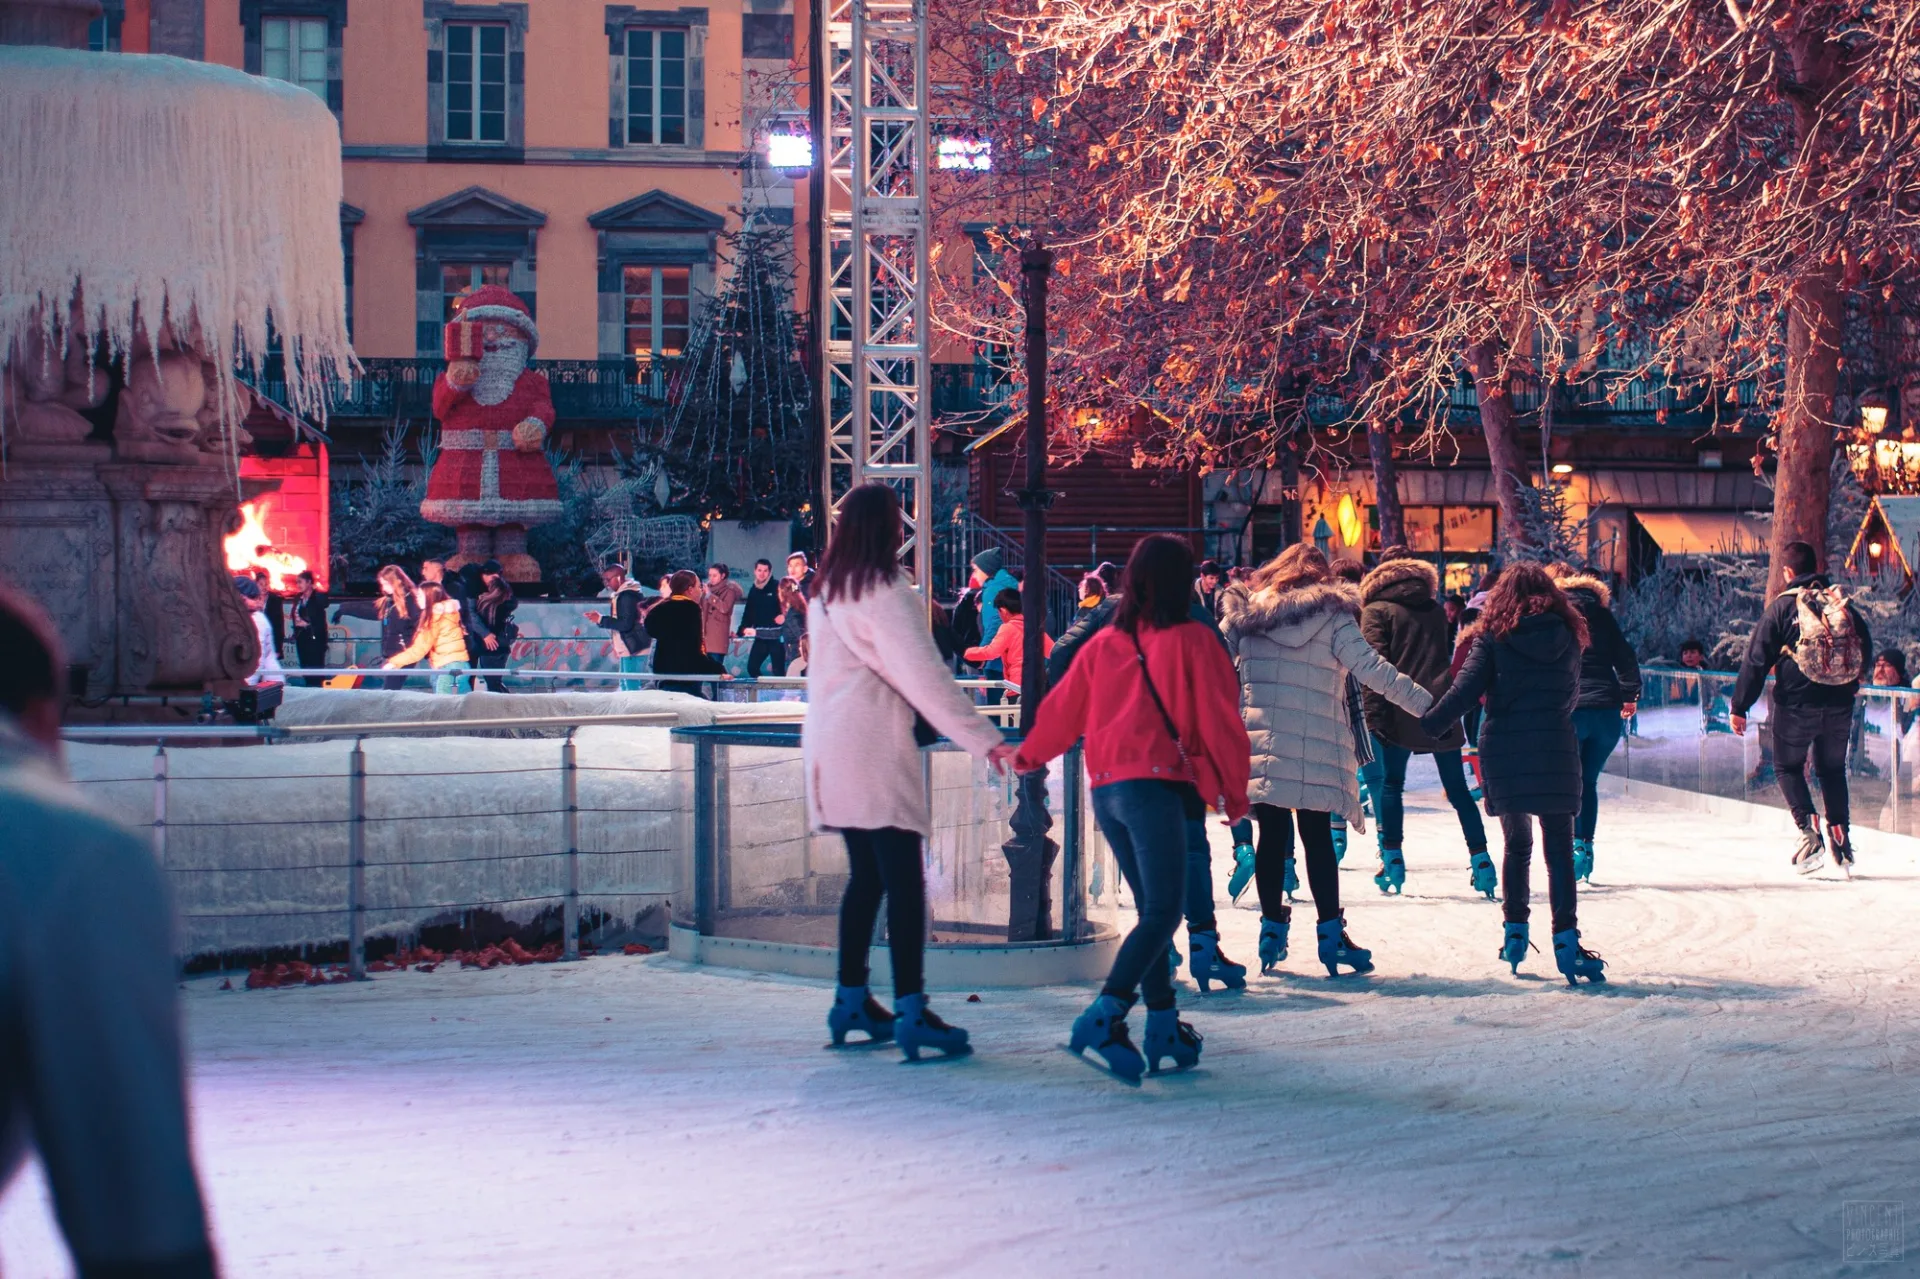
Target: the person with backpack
pixel 1816 644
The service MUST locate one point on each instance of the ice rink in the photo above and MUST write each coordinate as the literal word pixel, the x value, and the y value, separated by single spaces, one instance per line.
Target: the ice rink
pixel 1750 1070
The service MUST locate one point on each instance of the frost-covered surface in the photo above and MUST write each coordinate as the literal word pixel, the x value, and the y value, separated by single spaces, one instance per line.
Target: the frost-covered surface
pixel 1750 1069
pixel 312 706
pixel 154 185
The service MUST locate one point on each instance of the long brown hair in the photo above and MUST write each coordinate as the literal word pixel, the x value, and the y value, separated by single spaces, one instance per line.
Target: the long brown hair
pixel 1301 564
pixel 1523 590
pixel 865 549
pixel 396 590
pixel 433 593
pixel 1158 588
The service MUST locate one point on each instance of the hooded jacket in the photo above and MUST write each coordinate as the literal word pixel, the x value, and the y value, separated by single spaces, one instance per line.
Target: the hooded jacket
pixel 1401 617
pixel 1529 757
pixel 1609 672
pixel 440 638
pixel 1294 650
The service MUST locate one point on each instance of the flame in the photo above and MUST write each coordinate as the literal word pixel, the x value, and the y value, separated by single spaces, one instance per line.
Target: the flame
pixel 250 547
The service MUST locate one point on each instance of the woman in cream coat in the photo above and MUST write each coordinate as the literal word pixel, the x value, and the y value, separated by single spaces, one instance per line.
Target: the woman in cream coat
pixel 873 664
pixel 1295 636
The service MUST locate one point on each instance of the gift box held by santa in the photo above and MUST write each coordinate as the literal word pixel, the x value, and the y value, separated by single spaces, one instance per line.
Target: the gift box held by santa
pixel 492 481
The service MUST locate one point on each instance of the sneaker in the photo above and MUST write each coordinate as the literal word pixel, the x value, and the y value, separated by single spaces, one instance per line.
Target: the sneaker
pixel 1811 855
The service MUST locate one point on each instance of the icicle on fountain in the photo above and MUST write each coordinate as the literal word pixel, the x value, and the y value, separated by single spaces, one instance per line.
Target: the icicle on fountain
pixel 160 214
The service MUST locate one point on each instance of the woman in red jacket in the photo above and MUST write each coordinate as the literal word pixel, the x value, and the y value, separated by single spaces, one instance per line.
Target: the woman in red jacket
pixel 1156 697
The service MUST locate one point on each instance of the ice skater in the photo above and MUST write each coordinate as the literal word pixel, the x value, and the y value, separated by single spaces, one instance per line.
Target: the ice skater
pixel 1817 645
pixel 1609 699
pixel 1402 618
pixel 1523 657
pixel 1295 637
pixel 1154 695
pixel 873 664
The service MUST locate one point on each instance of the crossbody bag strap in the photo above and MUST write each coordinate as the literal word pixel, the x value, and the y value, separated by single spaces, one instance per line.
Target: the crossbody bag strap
pixel 1193 774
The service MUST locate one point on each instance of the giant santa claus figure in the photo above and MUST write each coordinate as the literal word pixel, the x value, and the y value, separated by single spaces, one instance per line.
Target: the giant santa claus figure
pixel 492 480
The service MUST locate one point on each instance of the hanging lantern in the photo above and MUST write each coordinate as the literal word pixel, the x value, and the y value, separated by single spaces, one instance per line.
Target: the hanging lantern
pixel 1353 531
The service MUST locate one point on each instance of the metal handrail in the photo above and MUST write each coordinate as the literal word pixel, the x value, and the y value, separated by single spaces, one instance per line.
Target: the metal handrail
pixel 277 732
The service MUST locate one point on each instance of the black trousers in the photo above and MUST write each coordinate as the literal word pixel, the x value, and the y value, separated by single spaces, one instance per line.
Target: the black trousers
pixel 1556 838
pixel 1276 846
pixel 487 659
pixel 1823 731
pixel 311 653
pixel 885 863
pixel 765 650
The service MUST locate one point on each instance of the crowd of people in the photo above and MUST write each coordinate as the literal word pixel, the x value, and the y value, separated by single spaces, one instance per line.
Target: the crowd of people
pixel 1280 695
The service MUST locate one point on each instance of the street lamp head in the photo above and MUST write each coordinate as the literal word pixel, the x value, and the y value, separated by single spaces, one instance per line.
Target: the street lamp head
pixel 1873 412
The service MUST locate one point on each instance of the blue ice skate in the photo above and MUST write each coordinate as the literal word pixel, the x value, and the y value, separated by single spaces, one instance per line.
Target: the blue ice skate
pixel 1243 864
pixel 1583 860
pixel 1483 878
pixel 1337 948
pixel 1392 875
pixel 1513 947
pixel 917 1027
pixel 1103 1028
pixel 854 1008
pixel 1289 881
pixel 1168 1036
pixel 1273 940
pixel 1339 843
pixel 1576 961
pixel 1208 964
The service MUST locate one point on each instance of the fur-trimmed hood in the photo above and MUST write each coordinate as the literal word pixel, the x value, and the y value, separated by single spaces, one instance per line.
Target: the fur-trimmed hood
pixel 1406 580
pixel 1582 582
pixel 1270 610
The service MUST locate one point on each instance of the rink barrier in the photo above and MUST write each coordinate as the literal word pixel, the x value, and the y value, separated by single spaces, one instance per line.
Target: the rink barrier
pixel 357 905
pixel 1681 740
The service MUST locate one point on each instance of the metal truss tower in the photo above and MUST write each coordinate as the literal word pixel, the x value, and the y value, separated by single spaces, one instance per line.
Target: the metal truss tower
pixel 871 138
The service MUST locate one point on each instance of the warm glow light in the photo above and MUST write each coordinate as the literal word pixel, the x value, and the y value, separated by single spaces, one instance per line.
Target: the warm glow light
pixel 1563 468
pixel 1352 531
pixel 789 151
pixel 1874 417
pixel 975 155
pixel 251 548
pixel 1874 549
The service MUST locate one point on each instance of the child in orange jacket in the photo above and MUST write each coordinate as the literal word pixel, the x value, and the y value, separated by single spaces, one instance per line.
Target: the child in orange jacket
pixel 1010 641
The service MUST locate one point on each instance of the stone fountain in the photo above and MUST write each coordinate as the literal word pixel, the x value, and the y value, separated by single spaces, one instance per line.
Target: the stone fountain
pixel 160 215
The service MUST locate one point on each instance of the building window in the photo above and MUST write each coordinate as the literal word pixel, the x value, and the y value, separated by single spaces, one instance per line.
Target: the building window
pixel 659 309
pixel 97 35
pixel 295 50
pixel 476 82
pixel 458 278
pixel 656 87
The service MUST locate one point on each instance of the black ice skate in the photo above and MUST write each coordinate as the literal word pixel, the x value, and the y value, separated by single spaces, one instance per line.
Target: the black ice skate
pixel 1811 855
pixel 1840 842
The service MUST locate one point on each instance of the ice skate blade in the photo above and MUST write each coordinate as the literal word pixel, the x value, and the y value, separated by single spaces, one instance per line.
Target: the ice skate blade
pixel 1811 864
pixel 1098 1065
pixel 853 1045
pixel 912 1057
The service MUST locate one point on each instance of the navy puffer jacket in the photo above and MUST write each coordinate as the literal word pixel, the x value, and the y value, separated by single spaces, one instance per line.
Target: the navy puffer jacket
pixel 1529 757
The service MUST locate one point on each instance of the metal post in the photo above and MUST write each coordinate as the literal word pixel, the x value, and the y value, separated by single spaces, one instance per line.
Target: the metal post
pixel 357 861
pixel 570 802
pixel 160 804
pixel 1073 889
pixel 1893 729
pixel 705 849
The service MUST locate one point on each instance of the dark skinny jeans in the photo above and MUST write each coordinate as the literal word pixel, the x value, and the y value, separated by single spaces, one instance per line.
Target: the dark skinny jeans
pixel 1145 824
pixel 885 863
pixel 1200 917
pixel 1599 729
pixel 1276 846
pixel 1824 731
pixel 1386 781
pixel 1556 831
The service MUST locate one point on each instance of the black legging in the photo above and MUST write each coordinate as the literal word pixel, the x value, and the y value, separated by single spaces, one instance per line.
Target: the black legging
pixel 884 863
pixel 491 659
pixel 1556 838
pixel 1276 845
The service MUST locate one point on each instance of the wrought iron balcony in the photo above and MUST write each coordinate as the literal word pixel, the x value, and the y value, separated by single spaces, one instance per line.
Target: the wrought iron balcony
pixel 608 390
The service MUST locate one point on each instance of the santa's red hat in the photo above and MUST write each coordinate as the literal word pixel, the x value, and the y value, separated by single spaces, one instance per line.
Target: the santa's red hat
pixel 497 303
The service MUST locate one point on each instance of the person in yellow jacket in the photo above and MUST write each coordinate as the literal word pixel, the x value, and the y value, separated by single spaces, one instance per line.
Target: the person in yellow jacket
pixel 441 639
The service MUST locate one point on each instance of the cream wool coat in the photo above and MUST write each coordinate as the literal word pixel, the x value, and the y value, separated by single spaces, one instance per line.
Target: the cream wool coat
pixel 873 664
pixel 1294 651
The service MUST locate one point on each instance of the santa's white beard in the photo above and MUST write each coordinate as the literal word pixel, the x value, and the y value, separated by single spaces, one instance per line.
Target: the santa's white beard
pixel 500 368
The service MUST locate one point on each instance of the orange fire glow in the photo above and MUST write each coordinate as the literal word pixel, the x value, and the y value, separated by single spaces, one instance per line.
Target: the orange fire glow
pixel 251 548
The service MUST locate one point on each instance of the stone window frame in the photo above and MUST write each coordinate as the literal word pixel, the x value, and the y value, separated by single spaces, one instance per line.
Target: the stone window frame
pixel 652 229
pixel 252 12
pixel 350 219
pixel 695 22
pixel 470 225
pixel 515 17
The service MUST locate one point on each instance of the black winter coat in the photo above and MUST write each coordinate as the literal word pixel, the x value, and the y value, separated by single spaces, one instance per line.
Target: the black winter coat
pixel 397 628
pixel 1609 672
pixel 1401 617
pixel 1090 623
pixel 675 626
pixel 1529 757
pixel 1774 638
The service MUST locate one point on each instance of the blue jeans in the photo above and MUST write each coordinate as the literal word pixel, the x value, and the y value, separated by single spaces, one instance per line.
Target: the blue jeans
pixel 1146 826
pixel 1386 783
pixel 453 677
pixel 1199 878
pixel 632 664
pixel 1598 729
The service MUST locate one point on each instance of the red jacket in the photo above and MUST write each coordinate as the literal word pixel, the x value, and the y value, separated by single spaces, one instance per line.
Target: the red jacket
pixel 1105 699
pixel 1009 646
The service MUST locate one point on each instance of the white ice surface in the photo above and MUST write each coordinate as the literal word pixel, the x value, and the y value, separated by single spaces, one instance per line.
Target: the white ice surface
pixel 1750 1068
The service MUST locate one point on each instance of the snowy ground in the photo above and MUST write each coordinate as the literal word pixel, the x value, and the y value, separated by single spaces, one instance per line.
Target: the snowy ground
pixel 1750 1069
